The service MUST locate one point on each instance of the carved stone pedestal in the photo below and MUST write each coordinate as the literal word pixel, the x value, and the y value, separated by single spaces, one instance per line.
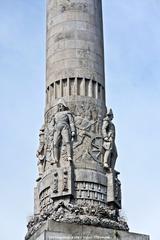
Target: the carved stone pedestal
pixel 63 231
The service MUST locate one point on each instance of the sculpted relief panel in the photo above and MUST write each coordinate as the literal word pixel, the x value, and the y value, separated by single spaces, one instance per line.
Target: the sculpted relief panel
pixel 88 126
pixel 73 133
pixel 76 162
pixel 78 134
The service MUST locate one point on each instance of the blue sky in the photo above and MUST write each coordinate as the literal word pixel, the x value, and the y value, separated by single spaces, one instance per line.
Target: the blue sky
pixel 132 50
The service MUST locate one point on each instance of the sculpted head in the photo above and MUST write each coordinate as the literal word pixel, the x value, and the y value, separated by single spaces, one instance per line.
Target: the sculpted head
pixel 61 105
pixel 110 115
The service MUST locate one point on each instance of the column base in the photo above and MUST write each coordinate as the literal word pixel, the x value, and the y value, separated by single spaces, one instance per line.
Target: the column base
pixel 52 230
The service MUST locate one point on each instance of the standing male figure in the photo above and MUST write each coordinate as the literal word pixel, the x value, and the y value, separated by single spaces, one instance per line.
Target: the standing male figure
pixel 64 131
pixel 109 132
pixel 41 153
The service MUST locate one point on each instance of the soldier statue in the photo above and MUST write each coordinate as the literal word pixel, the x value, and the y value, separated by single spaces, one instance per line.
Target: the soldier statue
pixel 64 131
pixel 41 153
pixel 108 132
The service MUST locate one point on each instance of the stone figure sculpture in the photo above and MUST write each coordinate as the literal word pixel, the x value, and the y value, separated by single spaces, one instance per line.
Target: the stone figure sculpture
pixel 108 132
pixel 41 153
pixel 64 131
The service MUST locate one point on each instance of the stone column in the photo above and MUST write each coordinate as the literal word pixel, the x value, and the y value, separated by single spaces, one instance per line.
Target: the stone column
pixel 78 193
pixel 75 43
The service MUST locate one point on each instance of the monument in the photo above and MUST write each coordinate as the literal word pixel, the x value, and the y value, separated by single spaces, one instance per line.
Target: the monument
pixel 78 191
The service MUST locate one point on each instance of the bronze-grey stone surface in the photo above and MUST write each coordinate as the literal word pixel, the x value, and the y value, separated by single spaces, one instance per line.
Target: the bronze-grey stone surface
pixel 78 191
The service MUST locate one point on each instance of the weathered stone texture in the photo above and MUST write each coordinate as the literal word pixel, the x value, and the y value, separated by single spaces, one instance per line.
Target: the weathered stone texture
pixel 77 153
pixel 58 231
pixel 71 144
pixel 75 50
